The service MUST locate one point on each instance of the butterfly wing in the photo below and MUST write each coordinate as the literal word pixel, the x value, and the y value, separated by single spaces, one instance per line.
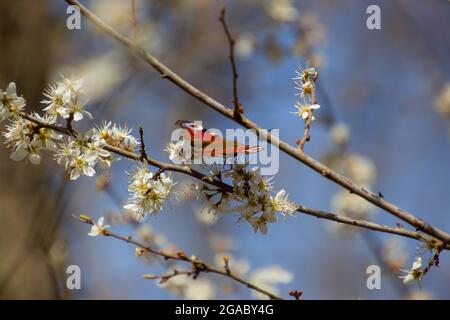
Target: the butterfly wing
pixel 214 145
pixel 227 149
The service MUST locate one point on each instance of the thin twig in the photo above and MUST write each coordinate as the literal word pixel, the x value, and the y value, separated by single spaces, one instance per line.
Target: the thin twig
pixel 306 136
pixel 433 261
pixel 238 108
pixel 263 134
pixel 166 277
pixel 144 156
pixel 69 123
pixel 198 265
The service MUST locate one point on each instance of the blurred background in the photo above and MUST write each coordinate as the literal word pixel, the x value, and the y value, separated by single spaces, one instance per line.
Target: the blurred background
pixel 383 121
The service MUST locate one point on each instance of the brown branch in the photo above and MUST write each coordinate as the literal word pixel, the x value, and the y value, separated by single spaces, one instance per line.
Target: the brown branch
pixel 365 224
pixel 144 156
pixel 263 134
pixel 238 108
pixel 198 265
pixel 306 135
pixel 69 123
pixel 433 261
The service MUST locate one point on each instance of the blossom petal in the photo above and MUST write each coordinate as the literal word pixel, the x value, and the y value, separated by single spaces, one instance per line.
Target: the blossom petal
pixel 11 90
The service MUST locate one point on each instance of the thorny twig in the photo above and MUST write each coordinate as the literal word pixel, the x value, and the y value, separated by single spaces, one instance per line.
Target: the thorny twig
pixel 238 108
pixel 263 134
pixel 144 156
pixel 198 266
pixel 433 262
pixel 306 135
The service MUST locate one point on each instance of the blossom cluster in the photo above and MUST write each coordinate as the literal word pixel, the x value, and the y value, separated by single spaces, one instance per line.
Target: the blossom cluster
pixel 415 273
pixel 10 103
pixel 27 139
pixel 78 153
pixel 65 99
pixel 305 84
pixel 148 191
pixel 252 197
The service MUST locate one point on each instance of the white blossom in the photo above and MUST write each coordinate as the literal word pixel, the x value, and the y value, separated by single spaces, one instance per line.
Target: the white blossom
pixel 75 107
pixel 176 151
pixel 10 103
pixel 414 273
pixel 252 198
pixel 46 138
pixel 122 136
pixel 116 135
pixel 96 147
pixel 281 203
pixel 148 193
pixel 83 164
pixel 66 152
pixel 98 227
pixel 303 75
pixel 260 223
pixel 65 98
pixel 103 132
pixel 27 149
pixel 56 98
pixel 304 110
pixel 18 132
pixel 19 137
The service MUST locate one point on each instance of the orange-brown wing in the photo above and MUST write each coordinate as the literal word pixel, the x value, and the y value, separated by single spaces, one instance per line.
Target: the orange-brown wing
pixel 222 148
